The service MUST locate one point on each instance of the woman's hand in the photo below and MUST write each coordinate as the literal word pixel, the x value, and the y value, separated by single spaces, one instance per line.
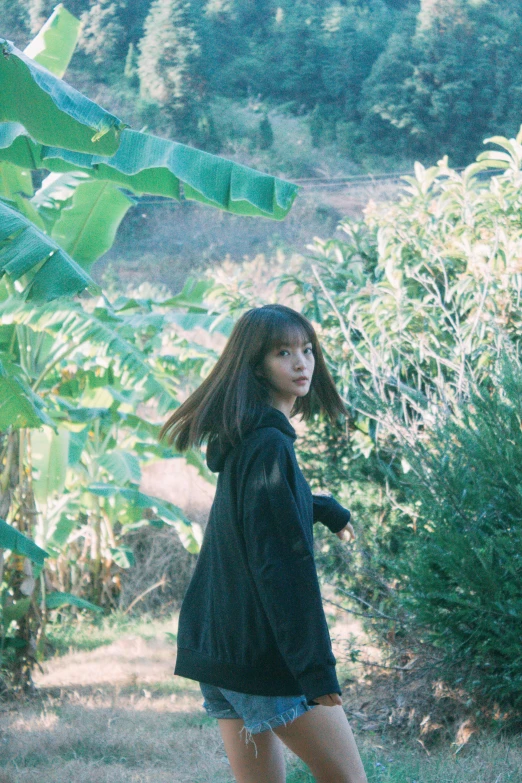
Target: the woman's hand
pixel 347 533
pixel 330 700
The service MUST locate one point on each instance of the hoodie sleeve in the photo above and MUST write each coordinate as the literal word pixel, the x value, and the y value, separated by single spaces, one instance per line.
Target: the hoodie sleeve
pixel 328 511
pixel 281 559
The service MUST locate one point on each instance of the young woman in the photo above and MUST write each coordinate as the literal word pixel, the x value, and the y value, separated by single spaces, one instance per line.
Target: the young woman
pixel 252 629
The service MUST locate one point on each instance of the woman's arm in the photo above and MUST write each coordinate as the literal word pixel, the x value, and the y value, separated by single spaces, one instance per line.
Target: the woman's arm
pixel 328 511
pixel 281 558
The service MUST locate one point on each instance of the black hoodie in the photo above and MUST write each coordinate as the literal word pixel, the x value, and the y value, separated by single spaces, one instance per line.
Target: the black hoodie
pixel 252 618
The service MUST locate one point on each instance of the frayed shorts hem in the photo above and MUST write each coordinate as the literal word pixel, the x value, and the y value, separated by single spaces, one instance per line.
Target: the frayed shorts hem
pixel 264 725
pixel 215 708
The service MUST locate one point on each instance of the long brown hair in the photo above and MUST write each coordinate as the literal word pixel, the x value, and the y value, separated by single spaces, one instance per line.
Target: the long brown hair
pixel 230 400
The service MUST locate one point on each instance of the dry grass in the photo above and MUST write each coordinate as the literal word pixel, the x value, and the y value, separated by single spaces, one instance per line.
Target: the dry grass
pixel 111 715
pixel 116 714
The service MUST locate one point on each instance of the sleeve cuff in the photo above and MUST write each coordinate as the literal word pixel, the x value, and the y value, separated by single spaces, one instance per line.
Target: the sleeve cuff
pixel 328 511
pixel 319 682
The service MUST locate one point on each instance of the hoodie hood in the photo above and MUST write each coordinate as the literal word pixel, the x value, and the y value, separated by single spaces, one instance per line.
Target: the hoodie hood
pixel 217 451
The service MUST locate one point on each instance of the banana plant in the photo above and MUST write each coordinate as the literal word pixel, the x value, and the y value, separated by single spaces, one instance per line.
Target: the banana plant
pixel 80 494
pixel 79 369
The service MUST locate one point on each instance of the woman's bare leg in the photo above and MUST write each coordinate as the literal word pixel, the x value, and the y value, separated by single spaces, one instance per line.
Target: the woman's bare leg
pixel 323 739
pixel 269 764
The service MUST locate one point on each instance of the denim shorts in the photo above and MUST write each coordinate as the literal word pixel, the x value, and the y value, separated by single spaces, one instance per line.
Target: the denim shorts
pixel 259 713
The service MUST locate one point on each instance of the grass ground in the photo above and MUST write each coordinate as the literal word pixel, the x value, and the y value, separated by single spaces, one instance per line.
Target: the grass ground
pixel 109 711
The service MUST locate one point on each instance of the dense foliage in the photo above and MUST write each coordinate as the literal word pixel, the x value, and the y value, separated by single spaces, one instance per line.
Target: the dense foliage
pixel 415 78
pixel 462 571
pixel 420 311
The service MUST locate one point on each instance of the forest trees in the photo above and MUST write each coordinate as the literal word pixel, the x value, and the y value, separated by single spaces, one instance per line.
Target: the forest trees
pixel 447 78
pixel 169 74
pixel 404 78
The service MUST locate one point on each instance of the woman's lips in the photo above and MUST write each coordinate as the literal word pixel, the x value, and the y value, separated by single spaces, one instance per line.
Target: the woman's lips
pixel 301 380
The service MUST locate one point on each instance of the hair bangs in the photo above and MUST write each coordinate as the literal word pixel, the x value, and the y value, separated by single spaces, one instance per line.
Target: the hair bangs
pixel 286 329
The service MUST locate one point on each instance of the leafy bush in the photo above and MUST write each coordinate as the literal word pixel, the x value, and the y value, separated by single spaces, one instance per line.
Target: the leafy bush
pixel 416 311
pixel 462 571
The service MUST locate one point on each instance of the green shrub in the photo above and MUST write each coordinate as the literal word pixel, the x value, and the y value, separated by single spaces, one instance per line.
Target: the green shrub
pixel 462 571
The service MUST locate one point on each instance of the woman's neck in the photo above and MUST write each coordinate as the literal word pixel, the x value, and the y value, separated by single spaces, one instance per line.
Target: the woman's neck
pixel 283 404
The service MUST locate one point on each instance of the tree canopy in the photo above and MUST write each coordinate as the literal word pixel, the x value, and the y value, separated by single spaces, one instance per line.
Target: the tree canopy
pixel 410 78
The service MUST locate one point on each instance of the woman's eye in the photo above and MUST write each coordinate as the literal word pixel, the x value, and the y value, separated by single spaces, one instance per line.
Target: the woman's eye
pixel 282 352
pixel 309 350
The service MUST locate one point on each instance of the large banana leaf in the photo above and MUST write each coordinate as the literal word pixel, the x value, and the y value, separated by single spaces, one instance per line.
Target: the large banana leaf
pixel 25 250
pixel 149 164
pixel 11 539
pixel 123 466
pixel 167 512
pixel 52 111
pixel 87 228
pixel 54 45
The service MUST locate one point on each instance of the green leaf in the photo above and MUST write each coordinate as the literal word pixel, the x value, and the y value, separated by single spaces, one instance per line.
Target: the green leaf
pixel 149 164
pixel 168 512
pixel 87 228
pixel 60 535
pixel 192 295
pixel 50 451
pixel 19 405
pixel 77 441
pixel 56 599
pixel 123 556
pixel 134 496
pixel 15 186
pixel 25 249
pixel 50 198
pixel 209 323
pixel 195 457
pixel 73 324
pixel 51 111
pixel 54 45
pixel 14 179
pixel 16 146
pixel 20 544
pixel 123 466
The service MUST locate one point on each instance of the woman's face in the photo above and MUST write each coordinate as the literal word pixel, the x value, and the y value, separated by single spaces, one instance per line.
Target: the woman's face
pixel 288 369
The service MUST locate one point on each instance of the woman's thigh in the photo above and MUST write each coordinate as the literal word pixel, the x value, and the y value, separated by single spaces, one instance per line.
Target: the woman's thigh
pixel 323 739
pixel 261 761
